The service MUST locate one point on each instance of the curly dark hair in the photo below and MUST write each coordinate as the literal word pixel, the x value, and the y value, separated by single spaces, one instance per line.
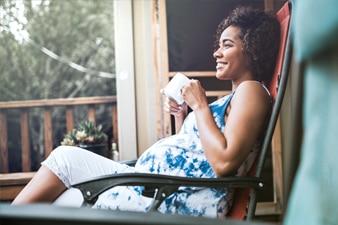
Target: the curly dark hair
pixel 260 33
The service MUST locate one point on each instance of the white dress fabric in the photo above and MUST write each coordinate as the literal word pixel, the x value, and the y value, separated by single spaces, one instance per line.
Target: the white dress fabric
pixel 180 155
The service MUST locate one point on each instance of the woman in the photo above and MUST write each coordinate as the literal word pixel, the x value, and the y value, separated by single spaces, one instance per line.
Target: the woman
pixel 216 140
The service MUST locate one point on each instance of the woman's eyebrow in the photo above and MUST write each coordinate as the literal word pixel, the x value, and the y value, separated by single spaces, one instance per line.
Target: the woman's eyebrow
pixel 225 40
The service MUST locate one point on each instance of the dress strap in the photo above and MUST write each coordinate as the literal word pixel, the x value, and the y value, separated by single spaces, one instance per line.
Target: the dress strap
pixel 227 102
pixel 267 90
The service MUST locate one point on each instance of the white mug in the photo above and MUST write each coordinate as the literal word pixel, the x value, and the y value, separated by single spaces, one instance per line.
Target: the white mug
pixel 173 88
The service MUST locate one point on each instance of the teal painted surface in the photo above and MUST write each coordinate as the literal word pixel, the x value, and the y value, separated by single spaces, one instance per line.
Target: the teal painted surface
pixel 314 196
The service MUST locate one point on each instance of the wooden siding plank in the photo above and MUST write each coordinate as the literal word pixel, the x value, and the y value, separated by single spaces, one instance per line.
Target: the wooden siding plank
pixel 164 122
pixel 269 5
pixel 194 73
pixel 267 208
pixel 217 94
pixel 277 165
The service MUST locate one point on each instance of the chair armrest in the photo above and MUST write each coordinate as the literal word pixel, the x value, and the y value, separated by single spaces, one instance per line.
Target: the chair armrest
pixel 90 189
pixel 129 162
pixel 51 214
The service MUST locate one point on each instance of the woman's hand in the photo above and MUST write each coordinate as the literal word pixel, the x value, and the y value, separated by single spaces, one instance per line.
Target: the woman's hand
pixel 194 95
pixel 170 106
pixel 178 111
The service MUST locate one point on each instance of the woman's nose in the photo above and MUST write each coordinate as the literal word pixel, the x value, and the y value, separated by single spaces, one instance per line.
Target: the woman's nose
pixel 216 53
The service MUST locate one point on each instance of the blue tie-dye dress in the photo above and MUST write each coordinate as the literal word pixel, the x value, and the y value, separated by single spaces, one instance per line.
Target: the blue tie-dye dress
pixel 181 155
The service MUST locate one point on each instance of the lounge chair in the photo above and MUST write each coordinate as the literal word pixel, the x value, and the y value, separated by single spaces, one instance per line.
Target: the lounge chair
pixel 244 203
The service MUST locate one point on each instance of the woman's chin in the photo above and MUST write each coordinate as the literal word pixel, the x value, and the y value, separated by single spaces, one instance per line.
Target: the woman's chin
pixel 220 76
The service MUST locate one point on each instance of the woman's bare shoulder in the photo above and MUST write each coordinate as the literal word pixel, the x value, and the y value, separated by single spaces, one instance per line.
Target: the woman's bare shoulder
pixel 253 96
pixel 253 89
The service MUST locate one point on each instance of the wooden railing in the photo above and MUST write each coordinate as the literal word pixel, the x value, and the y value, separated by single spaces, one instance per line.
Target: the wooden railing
pixel 47 106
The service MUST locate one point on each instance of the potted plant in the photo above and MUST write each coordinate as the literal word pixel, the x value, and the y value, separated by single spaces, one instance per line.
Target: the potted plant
pixel 88 136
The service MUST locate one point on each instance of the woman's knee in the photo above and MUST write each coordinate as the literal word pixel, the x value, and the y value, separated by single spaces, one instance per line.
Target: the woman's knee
pixel 66 151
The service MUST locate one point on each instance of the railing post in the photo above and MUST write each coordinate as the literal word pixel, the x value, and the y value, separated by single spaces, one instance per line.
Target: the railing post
pixel 91 113
pixel 48 131
pixel 47 106
pixel 69 118
pixel 3 143
pixel 25 153
pixel 115 124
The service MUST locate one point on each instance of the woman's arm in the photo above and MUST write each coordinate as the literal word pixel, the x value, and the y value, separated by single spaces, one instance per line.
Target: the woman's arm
pixel 245 122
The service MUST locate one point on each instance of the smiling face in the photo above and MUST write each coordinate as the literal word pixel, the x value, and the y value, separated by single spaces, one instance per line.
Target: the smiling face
pixel 231 63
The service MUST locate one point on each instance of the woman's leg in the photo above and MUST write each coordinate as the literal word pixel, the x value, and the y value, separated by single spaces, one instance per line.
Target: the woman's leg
pixel 44 187
pixel 66 166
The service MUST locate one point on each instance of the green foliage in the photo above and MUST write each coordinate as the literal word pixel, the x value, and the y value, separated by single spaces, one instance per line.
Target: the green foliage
pixel 85 134
pixel 80 31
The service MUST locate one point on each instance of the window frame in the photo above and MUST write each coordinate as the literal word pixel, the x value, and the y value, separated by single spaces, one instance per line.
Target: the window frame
pixel 125 78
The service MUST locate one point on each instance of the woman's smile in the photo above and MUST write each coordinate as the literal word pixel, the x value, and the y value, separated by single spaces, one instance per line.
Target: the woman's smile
pixel 220 65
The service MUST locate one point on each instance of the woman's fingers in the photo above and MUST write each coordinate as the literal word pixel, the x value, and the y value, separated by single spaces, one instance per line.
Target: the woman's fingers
pixel 170 106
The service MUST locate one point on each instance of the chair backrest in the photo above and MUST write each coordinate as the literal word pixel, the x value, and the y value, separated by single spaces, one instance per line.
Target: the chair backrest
pixel 244 203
